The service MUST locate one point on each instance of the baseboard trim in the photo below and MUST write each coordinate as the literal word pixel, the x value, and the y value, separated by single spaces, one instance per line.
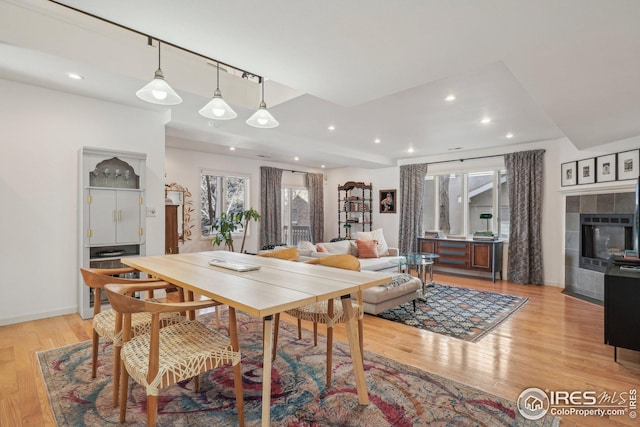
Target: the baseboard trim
pixel 37 316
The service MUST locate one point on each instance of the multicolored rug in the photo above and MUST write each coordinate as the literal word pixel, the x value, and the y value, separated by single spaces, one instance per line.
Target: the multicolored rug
pixel 400 395
pixel 462 313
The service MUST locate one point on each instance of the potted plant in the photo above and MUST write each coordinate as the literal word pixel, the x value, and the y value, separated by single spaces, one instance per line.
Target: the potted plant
pixel 226 224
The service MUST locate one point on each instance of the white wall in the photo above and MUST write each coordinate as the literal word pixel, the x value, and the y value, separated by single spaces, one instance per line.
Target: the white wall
pixel 41 132
pixel 183 167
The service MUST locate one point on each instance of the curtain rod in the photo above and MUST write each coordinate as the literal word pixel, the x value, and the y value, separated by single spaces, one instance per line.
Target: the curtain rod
pixel 245 73
pixel 468 158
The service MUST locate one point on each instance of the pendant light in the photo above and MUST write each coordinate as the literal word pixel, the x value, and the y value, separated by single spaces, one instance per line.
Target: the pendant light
pixel 217 108
pixel 262 118
pixel 158 91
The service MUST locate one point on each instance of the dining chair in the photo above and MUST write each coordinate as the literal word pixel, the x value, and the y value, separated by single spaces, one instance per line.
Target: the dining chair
pixel 328 312
pixel 169 354
pixel 104 322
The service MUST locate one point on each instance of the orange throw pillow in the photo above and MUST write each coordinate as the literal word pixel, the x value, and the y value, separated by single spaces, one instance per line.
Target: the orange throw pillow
pixel 367 248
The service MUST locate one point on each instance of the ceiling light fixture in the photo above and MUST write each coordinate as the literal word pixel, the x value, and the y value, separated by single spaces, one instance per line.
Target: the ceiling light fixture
pixel 158 91
pixel 410 150
pixel 217 108
pixel 296 158
pixel 262 118
pixel 450 98
pixel 331 127
pixel 232 148
pixel 485 120
pixel 322 166
pixel 377 140
pixel 75 76
pixel 509 135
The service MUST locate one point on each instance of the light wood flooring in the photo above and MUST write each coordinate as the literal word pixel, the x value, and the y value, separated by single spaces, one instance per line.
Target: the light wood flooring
pixel 554 342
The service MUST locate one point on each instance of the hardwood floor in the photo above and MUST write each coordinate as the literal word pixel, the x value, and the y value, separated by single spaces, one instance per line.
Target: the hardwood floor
pixel 554 342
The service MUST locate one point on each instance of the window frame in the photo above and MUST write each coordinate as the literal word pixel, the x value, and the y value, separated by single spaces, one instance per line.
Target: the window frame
pixel 496 221
pixel 222 197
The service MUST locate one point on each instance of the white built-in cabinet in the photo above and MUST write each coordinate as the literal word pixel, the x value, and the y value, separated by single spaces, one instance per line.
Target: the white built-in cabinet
pixel 115 217
pixel 112 212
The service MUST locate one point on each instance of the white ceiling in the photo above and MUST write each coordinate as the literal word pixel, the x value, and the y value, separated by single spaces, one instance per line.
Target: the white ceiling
pixel 542 69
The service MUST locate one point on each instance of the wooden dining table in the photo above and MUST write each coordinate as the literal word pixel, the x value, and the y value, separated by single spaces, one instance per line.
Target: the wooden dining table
pixel 278 285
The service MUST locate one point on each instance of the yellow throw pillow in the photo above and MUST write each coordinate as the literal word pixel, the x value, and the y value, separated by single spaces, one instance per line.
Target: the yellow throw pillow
pixel 290 254
pixel 344 261
pixel 367 248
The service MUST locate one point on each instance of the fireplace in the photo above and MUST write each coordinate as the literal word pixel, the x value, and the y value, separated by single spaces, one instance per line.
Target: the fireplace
pixel 603 236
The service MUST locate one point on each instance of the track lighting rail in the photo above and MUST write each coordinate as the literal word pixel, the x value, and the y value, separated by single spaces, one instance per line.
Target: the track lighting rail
pixel 244 73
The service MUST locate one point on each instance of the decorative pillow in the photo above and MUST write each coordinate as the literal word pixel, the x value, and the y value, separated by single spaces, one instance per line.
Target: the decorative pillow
pixel 354 248
pixel 367 248
pixel 340 247
pixel 344 261
pixel 305 245
pixel 320 248
pixel 383 249
pixel 290 254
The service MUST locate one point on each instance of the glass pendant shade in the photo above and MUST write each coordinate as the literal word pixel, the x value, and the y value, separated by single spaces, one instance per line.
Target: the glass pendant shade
pixel 158 91
pixel 217 108
pixel 262 118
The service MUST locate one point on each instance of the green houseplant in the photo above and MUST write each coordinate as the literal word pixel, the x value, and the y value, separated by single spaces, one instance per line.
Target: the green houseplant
pixel 226 224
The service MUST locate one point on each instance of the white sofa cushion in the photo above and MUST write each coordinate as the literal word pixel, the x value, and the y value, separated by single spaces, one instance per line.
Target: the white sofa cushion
pixel 339 247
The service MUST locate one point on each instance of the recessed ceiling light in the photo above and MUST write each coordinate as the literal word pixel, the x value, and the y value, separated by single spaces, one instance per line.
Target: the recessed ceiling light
pixel 410 150
pixel 232 148
pixel 296 158
pixel 331 127
pixel 450 98
pixel 509 135
pixel 323 166
pixel 377 140
pixel 75 76
pixel 485 120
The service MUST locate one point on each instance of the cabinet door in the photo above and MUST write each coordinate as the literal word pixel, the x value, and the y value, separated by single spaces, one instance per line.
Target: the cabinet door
pixel 114 217
pixel 102 217
pixel 481 256
pixel 128 217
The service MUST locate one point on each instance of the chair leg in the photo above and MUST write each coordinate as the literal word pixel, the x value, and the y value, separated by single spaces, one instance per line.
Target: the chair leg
pixel 299 329
pixel 361 336
pixel 192 314
pixel 218 317
pixel 315 334
pixel 116 373
pixel 196 383
pixel 329 353
pixel 94 354
pixel 124 389
pixel 276 327
pixel 152 410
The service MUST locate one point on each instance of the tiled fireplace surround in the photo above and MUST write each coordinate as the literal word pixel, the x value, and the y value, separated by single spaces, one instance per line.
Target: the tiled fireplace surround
pixel 579 281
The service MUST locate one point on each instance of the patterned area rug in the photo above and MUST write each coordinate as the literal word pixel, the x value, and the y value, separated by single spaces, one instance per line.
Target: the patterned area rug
pixel 462 313
pixel 400 395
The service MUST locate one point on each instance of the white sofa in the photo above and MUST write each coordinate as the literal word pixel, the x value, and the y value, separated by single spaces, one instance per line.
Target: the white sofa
pixel 387 262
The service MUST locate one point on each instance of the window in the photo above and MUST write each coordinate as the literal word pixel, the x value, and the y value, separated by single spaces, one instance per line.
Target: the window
pixel 455 202
pixel 296 224
pixel 221 193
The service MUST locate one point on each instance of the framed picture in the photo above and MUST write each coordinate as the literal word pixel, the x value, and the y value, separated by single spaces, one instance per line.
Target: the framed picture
pixel 586 171
pixel 606 168
pixel 568 171
pixel 628 165
pixel 387 201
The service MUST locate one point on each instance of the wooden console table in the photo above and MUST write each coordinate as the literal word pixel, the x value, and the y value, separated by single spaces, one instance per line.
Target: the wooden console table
pixel 475 255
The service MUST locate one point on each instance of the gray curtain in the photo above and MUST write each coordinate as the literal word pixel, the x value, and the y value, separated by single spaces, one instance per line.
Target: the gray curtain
pixel 524 174
pixel 411 205
pixel 315 185
pixel 270 206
